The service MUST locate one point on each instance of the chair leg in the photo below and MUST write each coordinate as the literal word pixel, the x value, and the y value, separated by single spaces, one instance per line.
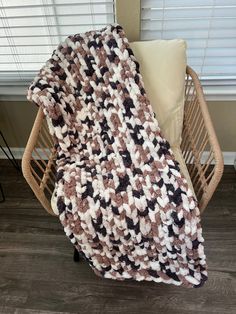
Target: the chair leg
pixel 76 256
pixel 2 199
pixel 9 154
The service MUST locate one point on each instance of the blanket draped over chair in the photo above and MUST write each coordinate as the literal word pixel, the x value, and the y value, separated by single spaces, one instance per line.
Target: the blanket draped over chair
pixel 119 192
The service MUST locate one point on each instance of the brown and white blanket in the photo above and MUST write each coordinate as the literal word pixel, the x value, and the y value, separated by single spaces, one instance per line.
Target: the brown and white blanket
pixel 120 195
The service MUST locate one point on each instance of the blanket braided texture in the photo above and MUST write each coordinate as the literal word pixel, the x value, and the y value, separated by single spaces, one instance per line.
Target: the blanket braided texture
pixel 120 195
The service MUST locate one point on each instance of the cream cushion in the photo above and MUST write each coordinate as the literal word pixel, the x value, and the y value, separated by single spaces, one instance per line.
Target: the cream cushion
pixel 182 165
pixel 163 66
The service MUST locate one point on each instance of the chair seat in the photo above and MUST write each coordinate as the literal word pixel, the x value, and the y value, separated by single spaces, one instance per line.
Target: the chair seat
pixel 183 168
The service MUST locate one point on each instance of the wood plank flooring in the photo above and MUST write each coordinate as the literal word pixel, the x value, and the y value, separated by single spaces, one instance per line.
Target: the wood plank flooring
pixel 38 275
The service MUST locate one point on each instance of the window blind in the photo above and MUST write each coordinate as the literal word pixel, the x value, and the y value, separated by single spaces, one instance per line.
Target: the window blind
pixel 31 29
pixel 209 28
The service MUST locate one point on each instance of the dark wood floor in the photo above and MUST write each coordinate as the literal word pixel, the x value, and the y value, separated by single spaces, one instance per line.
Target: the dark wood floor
pixel 37 274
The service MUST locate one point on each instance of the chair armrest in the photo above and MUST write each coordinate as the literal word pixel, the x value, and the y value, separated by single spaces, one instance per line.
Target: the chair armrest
pixel 199 145
pixel 38 162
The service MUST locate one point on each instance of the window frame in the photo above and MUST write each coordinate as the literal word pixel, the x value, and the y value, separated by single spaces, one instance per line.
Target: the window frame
pixel 214 89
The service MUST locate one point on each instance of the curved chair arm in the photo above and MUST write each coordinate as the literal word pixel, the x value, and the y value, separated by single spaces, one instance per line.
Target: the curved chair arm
pixel 38 162
pixel 200 147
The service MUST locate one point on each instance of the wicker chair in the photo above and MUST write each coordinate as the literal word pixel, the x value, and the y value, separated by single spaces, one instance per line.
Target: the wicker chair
pixel 199 147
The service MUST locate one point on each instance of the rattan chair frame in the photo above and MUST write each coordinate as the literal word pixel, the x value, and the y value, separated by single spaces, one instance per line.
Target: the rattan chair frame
pixel 200 148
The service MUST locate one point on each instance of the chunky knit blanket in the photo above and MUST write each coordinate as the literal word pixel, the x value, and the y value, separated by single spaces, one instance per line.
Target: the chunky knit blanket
pixel 120 195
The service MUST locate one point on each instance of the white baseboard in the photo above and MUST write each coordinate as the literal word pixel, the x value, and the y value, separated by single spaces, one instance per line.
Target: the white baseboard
pixel 19 151
pixel 229 157
pixel 16 151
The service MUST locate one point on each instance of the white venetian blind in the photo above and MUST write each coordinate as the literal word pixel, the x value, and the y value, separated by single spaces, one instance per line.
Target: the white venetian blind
pixel 209 28
pixel 31 29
